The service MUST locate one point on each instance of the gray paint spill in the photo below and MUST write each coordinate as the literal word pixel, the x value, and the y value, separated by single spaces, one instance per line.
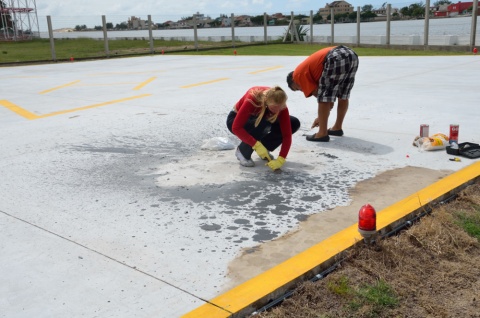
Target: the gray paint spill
pixel 210 227
pixel 264 235
pixel 241 221
pixel 244 211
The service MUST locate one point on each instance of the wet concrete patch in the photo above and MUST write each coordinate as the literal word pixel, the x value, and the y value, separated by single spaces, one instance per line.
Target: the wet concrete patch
pixel 265 207
pixel 253 206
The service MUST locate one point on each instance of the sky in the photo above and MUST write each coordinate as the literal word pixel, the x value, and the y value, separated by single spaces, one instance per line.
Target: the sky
pixel 185 8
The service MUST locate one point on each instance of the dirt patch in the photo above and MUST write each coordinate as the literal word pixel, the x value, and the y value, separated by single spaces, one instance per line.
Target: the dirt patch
pixel 429 270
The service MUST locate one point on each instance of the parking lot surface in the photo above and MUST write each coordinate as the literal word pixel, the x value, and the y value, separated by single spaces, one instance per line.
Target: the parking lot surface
pixel 113 201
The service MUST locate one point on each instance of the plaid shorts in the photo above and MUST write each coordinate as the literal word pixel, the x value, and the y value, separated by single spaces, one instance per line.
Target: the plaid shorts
pixel 338 74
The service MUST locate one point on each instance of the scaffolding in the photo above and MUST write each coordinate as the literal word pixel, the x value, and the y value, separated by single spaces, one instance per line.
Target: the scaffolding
pixel 18 20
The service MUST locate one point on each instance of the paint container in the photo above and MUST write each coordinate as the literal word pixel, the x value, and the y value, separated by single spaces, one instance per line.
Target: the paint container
pixel 424 128
pixel 453 137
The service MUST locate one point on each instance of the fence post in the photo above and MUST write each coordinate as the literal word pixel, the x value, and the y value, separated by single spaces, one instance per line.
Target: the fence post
pixel 389 11
pixel 332 20
pixel 150 35
pixel 292 26
pixel 265 27
pixel 195 35
pixel 105 37
pixel 427 17
pixel 50 35
pixel 311 26
pixel 358 26
pixel 473 31
pixel 233 30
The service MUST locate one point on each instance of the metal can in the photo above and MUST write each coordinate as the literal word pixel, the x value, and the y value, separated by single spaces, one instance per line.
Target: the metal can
pixel 424 130
pixel 453 137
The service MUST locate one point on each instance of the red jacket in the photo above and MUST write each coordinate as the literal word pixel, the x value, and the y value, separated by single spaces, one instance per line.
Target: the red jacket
pixel 308 73
pixel 245 109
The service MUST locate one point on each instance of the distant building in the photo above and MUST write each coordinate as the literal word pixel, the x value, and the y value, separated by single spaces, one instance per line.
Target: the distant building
pixel 382 12
pixel 454 9
pixel 135 23
pixel 243 21
pixel 339 7
pixel 274 18
pixel 459 8
pixel 441 10
pixel 202 20
pixel 226 21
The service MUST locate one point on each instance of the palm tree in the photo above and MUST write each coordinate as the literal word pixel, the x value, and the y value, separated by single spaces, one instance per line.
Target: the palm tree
pixel 301 31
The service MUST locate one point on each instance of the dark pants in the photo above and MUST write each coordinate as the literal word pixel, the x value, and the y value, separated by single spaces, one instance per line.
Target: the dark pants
pixel 269 134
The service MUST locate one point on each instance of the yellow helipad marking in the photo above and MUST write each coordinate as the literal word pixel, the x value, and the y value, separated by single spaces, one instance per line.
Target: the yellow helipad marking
pixel 59 87
pixel 140 86
pixel 205 83
pixel 260 289
pixel 29 115
pixel 17 109
pixel 267 69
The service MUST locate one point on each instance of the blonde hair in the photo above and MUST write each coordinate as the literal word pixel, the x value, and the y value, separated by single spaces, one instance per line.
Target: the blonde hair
pixel 274 95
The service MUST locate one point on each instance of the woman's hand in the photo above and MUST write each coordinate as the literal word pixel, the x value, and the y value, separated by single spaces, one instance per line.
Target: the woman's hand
pixel 277 163
pixel 261 150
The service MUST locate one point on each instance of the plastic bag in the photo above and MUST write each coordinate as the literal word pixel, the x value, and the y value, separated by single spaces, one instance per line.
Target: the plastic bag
pixel 218 143
pixel 435 142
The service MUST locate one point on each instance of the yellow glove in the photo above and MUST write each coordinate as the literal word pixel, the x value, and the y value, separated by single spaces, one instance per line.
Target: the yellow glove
pixel 261 150
pixel 277 163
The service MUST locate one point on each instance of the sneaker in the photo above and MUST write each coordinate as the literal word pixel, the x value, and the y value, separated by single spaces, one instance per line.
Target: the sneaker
pixel 244 162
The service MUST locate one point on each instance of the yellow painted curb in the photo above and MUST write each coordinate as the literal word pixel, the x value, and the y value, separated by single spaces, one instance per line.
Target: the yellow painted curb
pixel 258 291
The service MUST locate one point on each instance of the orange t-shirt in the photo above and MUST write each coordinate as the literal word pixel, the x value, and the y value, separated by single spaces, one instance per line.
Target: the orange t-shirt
pixel 307 74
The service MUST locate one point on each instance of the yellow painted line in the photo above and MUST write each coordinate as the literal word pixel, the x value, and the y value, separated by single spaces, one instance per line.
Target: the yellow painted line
pixel 28 115
pixel 140 86
pixel 205 83
pixel 59 87
pixel 267 69
pixel 427 195
pixel 17 109
pixel 256 292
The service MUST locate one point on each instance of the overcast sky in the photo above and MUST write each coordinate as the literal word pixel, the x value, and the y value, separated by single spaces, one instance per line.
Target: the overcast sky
pixel 184 8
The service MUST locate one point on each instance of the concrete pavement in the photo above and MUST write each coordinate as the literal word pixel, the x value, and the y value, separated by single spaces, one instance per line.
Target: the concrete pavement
pixel 109 206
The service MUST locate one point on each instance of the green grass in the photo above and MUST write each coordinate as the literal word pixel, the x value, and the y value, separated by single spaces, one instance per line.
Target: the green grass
pixel 340 287
pixel 372 300
pixel 83 48
pixel 470 222
pixel 280 49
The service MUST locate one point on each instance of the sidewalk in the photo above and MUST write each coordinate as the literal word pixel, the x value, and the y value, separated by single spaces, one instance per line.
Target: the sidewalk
pixel 109 206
